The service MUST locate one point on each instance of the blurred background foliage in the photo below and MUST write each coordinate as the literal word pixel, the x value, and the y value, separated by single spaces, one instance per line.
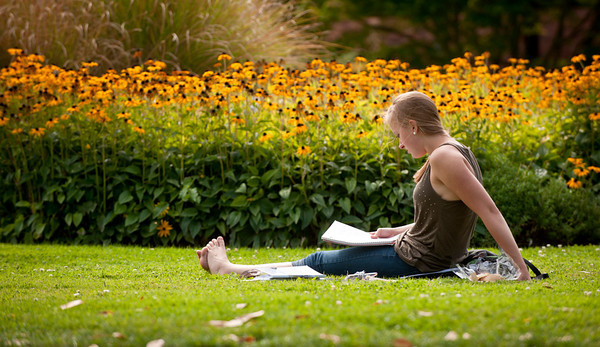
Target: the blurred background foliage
pixel 190 34
pixel 426 32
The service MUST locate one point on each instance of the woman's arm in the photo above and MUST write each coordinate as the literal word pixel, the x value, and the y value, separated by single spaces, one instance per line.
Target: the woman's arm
pixel 389 232
pixel 452 170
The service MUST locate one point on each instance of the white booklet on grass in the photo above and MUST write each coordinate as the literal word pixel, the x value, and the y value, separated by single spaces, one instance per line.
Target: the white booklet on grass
pixel 343 234
pixel 286 273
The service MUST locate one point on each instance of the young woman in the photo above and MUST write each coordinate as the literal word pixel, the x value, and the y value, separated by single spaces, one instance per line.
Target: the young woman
pixel 448 197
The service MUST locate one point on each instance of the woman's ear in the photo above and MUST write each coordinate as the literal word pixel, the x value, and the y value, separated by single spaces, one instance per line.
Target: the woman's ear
pixel 413 126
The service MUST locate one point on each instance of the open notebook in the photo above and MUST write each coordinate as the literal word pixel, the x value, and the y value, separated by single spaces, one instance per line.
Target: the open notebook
pixel 343 234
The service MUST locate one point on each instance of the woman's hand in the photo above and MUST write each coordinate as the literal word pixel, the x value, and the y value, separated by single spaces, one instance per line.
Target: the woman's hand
pixel 385 233
pixel 524 276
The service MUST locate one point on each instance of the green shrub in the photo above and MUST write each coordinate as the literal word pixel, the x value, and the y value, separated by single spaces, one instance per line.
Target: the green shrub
pixel 539 208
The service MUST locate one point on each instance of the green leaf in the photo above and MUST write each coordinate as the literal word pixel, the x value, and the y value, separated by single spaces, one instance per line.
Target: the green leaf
pixel 125 197
pixel 242 189
pixel 144 214
pixel 350 184
pixel 285 192
pixel 240 201
pixel 77 218
pixel 69 219
pixel 131 219
pixel 189 212
pixel 159 209
pixel 318 199
pixel 22 203
pixel 195 228
pixel 134 170
pixel 233 218
pixel 345 204
pixel 307 216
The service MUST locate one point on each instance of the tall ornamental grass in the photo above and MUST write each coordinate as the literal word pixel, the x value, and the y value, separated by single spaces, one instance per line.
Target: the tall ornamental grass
pixel 185 34
pixel 269 155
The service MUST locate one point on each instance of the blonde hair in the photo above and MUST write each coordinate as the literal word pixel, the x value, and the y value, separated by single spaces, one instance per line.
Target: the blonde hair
pixel 421 109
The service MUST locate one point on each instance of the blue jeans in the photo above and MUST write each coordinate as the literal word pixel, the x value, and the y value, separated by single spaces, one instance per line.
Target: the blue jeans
pixel 380 259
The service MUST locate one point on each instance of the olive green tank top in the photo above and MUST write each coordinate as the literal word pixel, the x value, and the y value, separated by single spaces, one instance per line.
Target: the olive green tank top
pixel 443 229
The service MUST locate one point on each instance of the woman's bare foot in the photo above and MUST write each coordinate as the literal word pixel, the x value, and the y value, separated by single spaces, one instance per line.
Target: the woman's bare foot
pixel 203 258
pixel 217 260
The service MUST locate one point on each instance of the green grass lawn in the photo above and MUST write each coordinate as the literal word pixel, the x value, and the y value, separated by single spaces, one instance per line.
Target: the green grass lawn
pixel 132 295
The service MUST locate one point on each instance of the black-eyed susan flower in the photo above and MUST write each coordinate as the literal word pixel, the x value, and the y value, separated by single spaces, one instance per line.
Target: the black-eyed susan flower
pixel 15 51
pixel 224 56
pixel 265 137
pixel 238 120
pixel 302 151
pixel 362 134
pixel 595 116
pixel 164 228
pixel 17 131
pixel 139 130
pixel 574 184
pixel 300 128
pixel 39 132
pixel 578 59
pixel 51 123
pixel 581 172
pixel 594 169
pixel 3 121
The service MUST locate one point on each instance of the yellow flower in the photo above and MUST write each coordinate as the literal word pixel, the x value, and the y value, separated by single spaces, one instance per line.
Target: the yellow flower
pixel 581 172
pixel 578 59
pixel 238 120
pixel 52 122
pixel 164 228
pixel 139 130
pixel 15 51
pixel 360 59
pixel 576 161
pixel 574 184
pixel 362 134
pixel 39 132
pixel 265 137
pixel 17 131
pixel 594 168
pixel 300 128
pixel 304 150
pixel 595 116
pixel 3 121
pixel 224 56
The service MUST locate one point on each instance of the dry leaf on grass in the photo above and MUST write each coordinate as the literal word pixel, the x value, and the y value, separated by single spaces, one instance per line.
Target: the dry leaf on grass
pixel 71 304
pixel 236 322
pixel 118 335
pixel 333 338
pixel 402 343
pixel 156 343
pixel 235 338
pixel 241 306
pixel 451 336
pixel 425 313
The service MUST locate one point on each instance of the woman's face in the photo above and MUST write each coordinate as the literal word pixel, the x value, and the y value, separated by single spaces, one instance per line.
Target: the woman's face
pixel 407 138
